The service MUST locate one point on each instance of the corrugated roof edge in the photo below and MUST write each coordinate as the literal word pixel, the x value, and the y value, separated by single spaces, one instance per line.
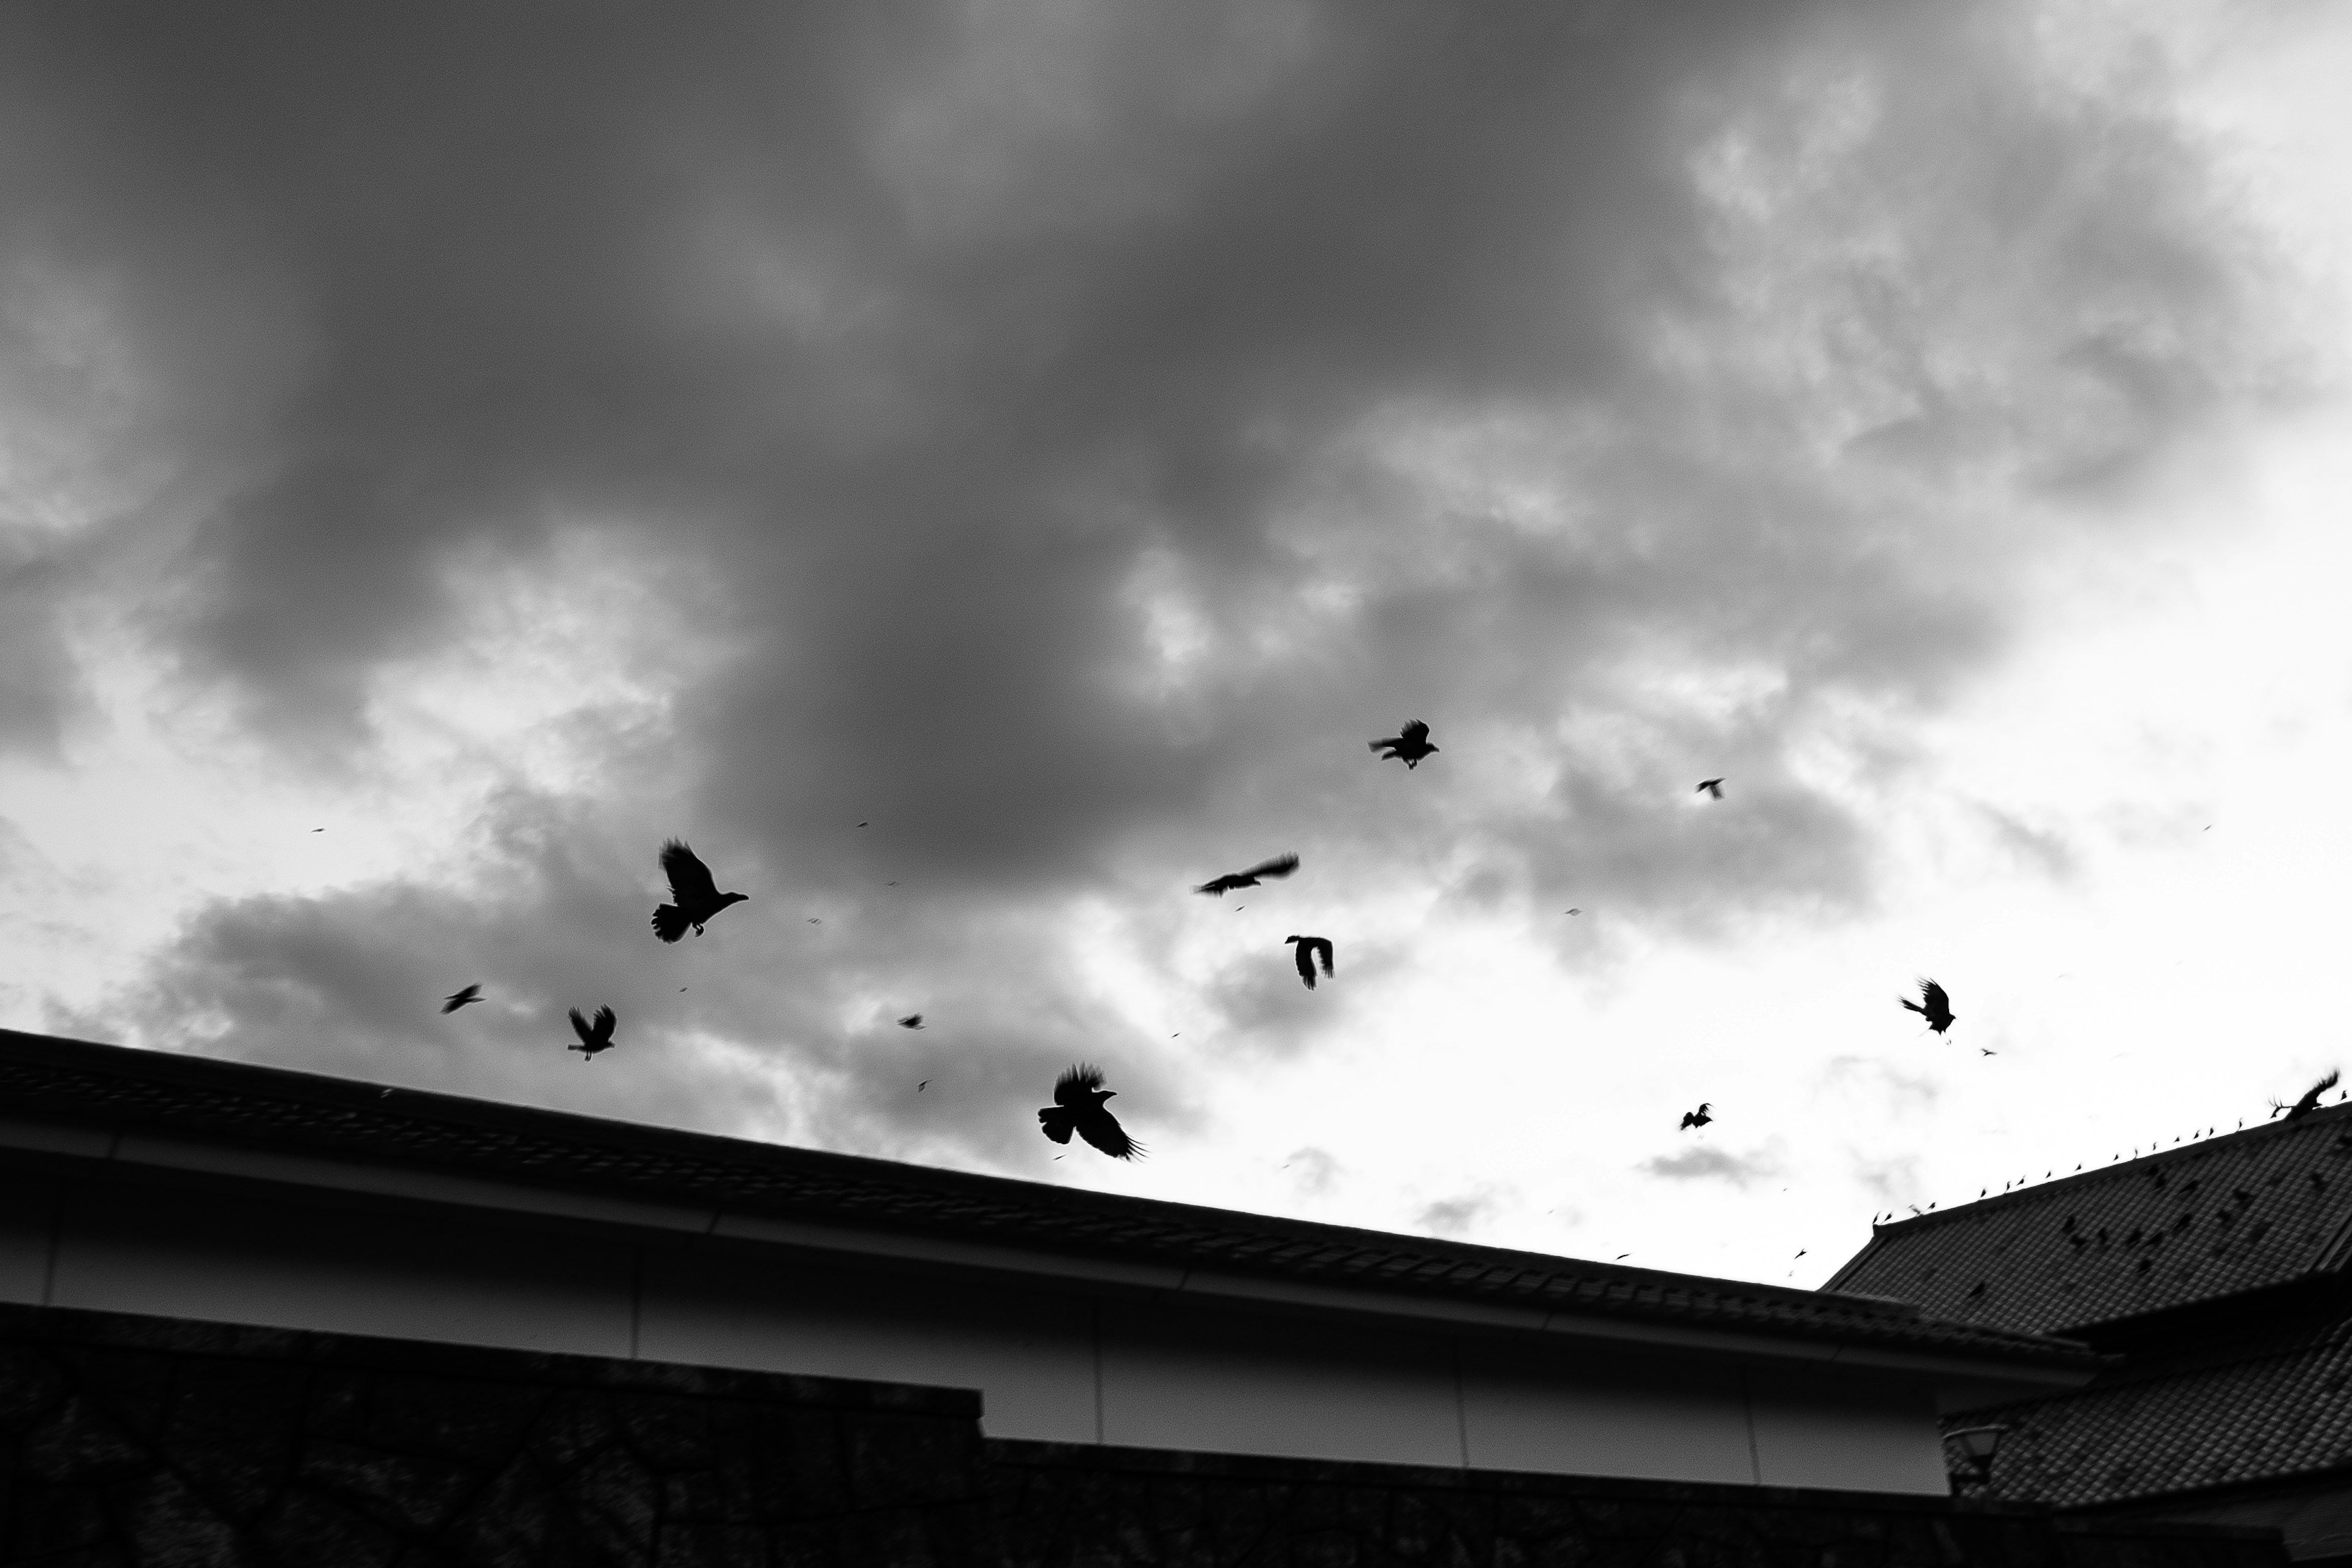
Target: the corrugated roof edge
pixel 2076 1181
pixel 118 1086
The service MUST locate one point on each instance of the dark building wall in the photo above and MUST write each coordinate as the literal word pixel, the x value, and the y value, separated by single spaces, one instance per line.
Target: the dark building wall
pixel 1063 1506
pixel 152 1441
pixel 148 1441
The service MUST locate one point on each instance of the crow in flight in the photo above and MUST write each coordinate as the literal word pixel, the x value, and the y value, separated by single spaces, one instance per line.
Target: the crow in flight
pixel 457 999
pixel 912 1021
pixel 2310 1101
pixel 1280 865
pixel 1710 786
pixel 592 1039
pixel 1309 949
pixel 1938 1010
pixel 1698 1117
pixel 1077 1107
pixel 697 896
pixel 1408 747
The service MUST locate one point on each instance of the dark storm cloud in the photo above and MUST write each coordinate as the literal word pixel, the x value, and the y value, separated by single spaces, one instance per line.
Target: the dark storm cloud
pixel 1104 420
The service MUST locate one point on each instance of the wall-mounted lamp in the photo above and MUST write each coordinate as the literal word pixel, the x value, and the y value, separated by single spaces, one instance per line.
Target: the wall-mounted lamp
pixel 1977 1446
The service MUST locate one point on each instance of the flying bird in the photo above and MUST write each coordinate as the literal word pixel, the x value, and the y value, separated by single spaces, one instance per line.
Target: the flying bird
pixel 1280 865
pixel 457 999
pixel 594 1038
pixel 912 1021
pixel 1408 747
pixel 1937 1008
pixel 1077 1107
pixel 2310 1101
pixel 1308 950
pixel 695 897
pixel 1710 786
pixel 1698 1117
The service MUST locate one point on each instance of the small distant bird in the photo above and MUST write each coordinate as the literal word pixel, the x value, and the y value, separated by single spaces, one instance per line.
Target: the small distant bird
pixel 1698 1117
pixel 1280 865
pixel 1308 950
pixel 1620 1257
pixel 695 898
pixel 1408 746
pixel 457 999
pixel 922 1086
pixel 865 825
pixel 1077 1107
pixel 593 1038
pixel 1800 1252
pixel 2310 1101
pixel 1710 786
pixel 912 1021
pixel 1938 1008
pixel 318 830
pixel 1982 1052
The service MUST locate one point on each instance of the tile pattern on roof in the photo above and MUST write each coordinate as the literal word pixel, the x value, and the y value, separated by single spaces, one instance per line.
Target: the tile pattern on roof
pixel 110 1084
pixel 2255 1411
pixel 2231 1213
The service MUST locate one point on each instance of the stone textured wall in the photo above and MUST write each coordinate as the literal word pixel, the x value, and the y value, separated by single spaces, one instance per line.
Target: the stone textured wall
pixel 1066 1506
pixel 131 1442
pixel 141 1441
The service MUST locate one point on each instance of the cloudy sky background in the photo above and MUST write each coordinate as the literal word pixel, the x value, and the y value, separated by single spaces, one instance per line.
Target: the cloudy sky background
pixel 1060 436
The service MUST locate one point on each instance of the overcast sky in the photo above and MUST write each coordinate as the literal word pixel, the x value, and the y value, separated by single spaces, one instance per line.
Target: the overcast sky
pixel 977 470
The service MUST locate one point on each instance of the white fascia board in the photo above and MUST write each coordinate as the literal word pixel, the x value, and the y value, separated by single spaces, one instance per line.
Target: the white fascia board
pixel 687 1222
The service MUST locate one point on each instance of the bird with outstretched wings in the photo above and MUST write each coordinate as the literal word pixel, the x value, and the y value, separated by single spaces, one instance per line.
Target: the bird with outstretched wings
pixel 1698 1117
pixel 457 999
pixel 1407 745
pixel 912 1021
pixel 2310 1101
pixel 1934 1005
pixel 593 1037
pixel 1280 865
pixel 1710 786
pixel 1309 949
pixel 1077 1107
pixel 694 894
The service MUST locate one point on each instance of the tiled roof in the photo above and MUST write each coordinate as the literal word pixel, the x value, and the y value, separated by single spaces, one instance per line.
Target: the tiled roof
pixel 115 1088
pixel 2228 1215
pixel 2277 1406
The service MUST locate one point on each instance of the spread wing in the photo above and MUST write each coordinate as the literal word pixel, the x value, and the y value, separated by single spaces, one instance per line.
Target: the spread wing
pixel 1071 1088
pixel 1303 950
pixel 689 879
pixel 1414 733
pixel 580 1028
pixel 1102 1130
pixel 1280 865
pixel 605 1022
pixel 1220 885
pixel 1323 951
pixel 1935 997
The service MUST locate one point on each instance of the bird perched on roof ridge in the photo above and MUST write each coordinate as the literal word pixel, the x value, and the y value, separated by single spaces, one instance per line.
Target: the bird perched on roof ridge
pixel 593 1038
pixel 1710 786
pixel 1408 746
pixel 2310 1101
pixel 1938 1010
pixel 457 999
pixel 1698 1117
pixel 695 895
pixel 1280 865
pixel 1077 1107
pixel 1308 950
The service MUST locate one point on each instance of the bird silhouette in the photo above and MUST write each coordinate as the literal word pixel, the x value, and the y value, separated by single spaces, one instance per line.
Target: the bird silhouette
pixel 1698 1117
pixel 1938 1008
pixel 1408 746
pixel 695 897
pixel 457 999
pixel 912 1021
pixel 1710 786
pixel 1308 950
pixel 1280 865
pixel 1077 1107
pixel 593 1038
pixel 2310 1101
